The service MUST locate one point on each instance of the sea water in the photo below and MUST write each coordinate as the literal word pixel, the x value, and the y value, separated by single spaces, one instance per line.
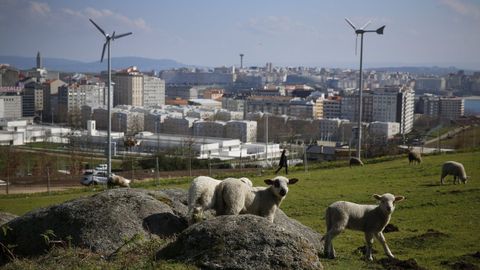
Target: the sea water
pixel 472 106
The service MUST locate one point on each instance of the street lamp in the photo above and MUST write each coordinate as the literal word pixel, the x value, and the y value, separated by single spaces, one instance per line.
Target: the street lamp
pixel 360 32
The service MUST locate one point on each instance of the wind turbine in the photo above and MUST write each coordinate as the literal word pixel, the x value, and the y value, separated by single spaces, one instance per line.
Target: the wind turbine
pixel 361 31
pixel 108 39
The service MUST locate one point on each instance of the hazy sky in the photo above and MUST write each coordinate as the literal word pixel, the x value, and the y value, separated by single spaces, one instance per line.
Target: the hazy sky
pixel 214 32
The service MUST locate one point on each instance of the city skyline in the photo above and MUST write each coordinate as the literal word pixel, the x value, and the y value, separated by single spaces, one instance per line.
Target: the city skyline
pixel 214 33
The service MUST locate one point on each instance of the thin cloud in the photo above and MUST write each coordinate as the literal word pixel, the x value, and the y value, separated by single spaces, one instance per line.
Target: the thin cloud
pixel 463 8
pixel 89 12
pixel 274 25
pixel 39 8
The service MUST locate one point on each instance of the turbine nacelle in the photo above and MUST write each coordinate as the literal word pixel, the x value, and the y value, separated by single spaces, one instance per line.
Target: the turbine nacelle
pixel 108 38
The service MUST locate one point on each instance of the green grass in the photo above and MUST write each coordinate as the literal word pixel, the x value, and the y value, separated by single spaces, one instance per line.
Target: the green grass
pixel 450 210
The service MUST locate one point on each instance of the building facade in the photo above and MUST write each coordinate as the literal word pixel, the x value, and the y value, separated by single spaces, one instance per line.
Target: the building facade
pixel 153 91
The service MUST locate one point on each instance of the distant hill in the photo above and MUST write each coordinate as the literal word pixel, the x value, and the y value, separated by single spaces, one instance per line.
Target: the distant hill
pixel 66 65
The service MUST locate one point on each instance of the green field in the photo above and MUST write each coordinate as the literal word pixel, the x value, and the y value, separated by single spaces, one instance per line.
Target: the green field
pixel 438 225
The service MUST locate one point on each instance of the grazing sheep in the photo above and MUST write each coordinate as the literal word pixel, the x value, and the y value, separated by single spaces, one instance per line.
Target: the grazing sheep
pixel 233 198
pixel 200 195
pixel 370 219
pixel 355 162
pixel 414 157
pixel 117 180
pixel 456 169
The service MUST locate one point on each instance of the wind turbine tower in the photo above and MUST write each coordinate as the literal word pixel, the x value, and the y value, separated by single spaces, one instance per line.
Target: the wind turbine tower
pixel 361 31
pixel 108 40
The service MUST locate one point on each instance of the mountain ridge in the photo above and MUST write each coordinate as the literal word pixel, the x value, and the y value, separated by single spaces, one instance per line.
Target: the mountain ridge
pixel 68 65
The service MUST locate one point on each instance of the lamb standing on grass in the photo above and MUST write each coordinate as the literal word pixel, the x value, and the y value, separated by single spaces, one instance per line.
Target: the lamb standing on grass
pixel 200 195
pixel 355 162
pixel 233 198
pixel 456 169
pixel 370 219
pixel 414 157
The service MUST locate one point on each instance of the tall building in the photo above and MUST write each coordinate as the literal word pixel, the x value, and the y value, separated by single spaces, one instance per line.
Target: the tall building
pixel 245 131
pixel 10 102
pixel 394 104
pixel 128 89
pixel 39 60
pixel 302 109
pixel 72 97
pixel 332 107
pixel 277 105
pixel 349 109
pixel 32 100
pixel 434 84
pixel 153 91
pixel 50 95
pixel 451 107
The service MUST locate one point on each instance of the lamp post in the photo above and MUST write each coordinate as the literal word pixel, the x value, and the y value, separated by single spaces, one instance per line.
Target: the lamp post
pixel 360 32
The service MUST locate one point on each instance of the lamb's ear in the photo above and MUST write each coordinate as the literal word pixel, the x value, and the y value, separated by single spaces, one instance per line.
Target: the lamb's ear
pixel 268 182
pixel 376 196
pixel 399 198
pixel 292 181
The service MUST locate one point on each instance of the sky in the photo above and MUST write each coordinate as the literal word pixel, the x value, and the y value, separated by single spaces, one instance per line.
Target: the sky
pixel 214 32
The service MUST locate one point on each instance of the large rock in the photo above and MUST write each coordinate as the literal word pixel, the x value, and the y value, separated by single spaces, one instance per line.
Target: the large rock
pixel 102 222
pixel 242 242
pixel 296 227
pixel 6 217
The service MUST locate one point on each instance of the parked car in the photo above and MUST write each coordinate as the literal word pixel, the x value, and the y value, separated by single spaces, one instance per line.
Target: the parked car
pixel 101 167
pixel 94 178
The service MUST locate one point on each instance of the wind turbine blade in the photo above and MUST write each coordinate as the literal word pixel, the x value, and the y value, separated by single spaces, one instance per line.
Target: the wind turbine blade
pixel 122 35
pixel 98 27
pixel 103 51
pixel 351 24
pixel 369 22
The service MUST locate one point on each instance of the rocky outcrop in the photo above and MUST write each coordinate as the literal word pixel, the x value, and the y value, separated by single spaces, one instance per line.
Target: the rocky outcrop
pixel 242 242
pixel 102 222
pixel 6 217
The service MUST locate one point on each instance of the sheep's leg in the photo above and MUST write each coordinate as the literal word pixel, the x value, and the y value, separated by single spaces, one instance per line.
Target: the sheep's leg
pixel 368 251
pixel 455 180
pixel 328 248
pixel 381 239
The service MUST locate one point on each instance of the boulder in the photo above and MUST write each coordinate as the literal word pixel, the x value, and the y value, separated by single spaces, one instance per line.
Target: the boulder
pixel 6 217
pixel 242 242
pixel 292 225
pixel 102 222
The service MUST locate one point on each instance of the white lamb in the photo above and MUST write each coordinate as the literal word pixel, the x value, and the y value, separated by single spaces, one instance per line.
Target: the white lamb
pixel 370 219
pixel 117 180
pixel 200 195
pixel 233 198
pixel 456 169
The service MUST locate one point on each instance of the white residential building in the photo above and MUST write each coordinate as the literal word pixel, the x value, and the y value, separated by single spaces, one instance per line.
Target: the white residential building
pixel 209 129
pixel 384 129
pixel 245 131
pixel 153 91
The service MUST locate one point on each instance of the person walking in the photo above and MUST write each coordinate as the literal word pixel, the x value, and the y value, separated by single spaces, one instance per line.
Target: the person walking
pixel 283 162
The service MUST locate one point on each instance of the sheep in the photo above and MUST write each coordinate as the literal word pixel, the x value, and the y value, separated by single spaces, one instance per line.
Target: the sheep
pixel 233 198
pixel 200 196
pixel 370 219
pixel 117 180
pixel 414 157
pixel 355 162
pixel 456 169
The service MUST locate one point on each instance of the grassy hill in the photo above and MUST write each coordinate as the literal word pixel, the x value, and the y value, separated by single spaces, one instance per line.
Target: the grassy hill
pixel 438 225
